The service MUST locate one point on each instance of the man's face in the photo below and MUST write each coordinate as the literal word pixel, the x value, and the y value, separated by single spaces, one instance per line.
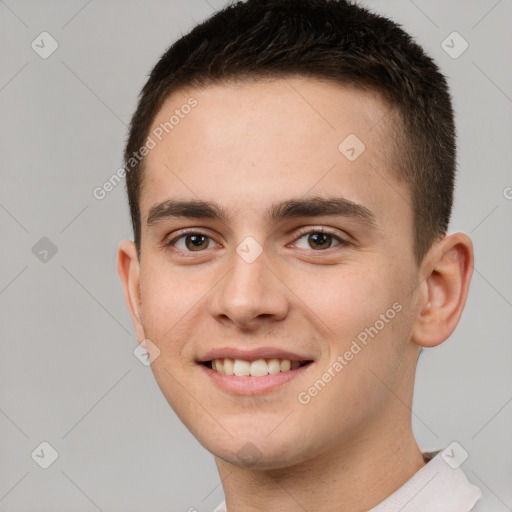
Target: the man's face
pixel 253 280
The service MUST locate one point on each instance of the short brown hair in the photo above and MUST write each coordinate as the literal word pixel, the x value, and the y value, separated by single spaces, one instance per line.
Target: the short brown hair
pixel 334 40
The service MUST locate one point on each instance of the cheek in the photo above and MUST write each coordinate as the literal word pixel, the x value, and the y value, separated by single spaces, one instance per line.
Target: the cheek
pixel 168 299
pixel 364 326
pixel 347 300
pixel 171 307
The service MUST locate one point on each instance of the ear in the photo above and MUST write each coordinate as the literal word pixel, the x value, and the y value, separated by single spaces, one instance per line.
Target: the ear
pixel 129 271
pixel 448 267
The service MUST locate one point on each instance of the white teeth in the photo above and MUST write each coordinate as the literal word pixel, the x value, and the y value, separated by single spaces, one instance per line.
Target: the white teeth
pixel 274 366
pixel 241 368
pixel 228 366
pixel 257 368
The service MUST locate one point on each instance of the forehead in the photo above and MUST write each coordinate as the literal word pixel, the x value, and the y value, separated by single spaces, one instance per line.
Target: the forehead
pixel 249 144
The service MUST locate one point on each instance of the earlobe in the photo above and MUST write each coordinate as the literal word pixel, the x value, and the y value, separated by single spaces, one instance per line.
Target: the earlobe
pixel 129 271
pixel 443 295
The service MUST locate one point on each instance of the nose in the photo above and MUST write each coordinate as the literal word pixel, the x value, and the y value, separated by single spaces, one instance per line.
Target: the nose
pixel 250 295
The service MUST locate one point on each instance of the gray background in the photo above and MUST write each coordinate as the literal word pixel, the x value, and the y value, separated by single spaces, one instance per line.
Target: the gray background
pixel 68 375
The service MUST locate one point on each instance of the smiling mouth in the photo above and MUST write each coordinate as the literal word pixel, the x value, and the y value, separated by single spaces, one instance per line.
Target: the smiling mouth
pixel 257 368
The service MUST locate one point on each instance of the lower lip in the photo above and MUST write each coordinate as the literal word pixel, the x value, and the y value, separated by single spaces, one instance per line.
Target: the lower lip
pixel 252 385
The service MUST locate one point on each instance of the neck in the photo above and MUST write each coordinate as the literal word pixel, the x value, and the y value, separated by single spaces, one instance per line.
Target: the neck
pixel 353 477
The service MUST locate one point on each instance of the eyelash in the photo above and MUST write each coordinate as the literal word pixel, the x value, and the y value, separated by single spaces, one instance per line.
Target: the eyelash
pixel 306 231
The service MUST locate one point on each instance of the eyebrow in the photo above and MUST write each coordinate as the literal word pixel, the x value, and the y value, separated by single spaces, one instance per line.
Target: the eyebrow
pixel 304 207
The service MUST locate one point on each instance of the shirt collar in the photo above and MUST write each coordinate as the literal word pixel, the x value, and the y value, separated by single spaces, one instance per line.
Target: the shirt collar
pixel 436 486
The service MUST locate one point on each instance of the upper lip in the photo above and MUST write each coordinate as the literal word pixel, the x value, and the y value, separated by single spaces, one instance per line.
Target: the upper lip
pixel 252 354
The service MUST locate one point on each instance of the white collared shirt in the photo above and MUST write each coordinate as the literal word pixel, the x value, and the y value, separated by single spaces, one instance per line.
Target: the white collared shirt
pixel 436 487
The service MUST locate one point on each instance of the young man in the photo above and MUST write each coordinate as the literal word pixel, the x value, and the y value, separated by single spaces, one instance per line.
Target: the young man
pixel 290 171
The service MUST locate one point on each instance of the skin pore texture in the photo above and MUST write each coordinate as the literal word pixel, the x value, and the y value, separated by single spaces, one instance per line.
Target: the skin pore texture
pixel 246 147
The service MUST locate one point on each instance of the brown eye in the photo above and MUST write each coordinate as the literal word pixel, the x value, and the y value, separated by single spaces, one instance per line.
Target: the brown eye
pixel 320 240
pixel 196 242
pixel 190 242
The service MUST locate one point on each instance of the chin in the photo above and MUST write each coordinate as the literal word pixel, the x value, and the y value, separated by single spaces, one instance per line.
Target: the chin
pixel 260 452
